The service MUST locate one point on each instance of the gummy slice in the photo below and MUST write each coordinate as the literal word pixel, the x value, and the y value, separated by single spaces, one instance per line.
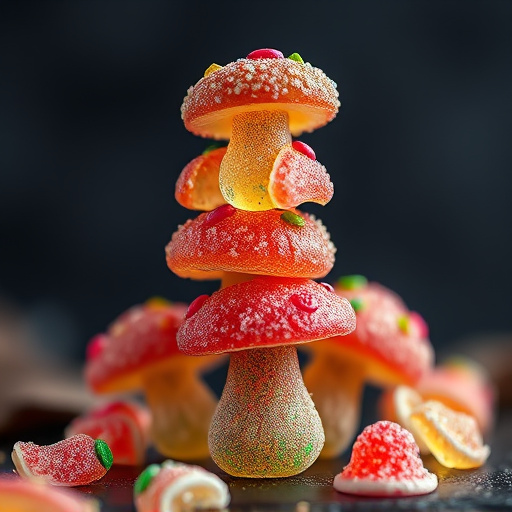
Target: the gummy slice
pixel 452 437
pixel 385 462
pixel 78 460
pixel 296 178
pixel 175 486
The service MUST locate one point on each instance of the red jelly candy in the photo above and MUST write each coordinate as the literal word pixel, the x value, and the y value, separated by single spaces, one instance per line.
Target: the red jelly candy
pixel 303 148
pixel 78 460
pixel 266 53
pixel 195 305
pixel 220 213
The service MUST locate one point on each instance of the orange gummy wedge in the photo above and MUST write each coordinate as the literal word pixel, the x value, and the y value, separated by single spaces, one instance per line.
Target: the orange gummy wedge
pixel 452 437
pixel 197 187
pixel 297 179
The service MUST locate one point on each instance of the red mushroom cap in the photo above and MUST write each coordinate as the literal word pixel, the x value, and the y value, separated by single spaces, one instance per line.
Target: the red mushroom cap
pixel 388 340
pixel 265 312
pixel 265 243
pixel 308 96
pixel 142 338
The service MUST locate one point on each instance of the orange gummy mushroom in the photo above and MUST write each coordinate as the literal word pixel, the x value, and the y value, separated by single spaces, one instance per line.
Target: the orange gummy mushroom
pixel 389 347
pixel 265 424
pixel 139 352
pixel 258 103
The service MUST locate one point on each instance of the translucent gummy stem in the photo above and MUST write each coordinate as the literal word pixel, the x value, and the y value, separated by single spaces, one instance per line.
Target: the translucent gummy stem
pixel 336 388
pixel 182 407
pixel 266 424
pixel 256 140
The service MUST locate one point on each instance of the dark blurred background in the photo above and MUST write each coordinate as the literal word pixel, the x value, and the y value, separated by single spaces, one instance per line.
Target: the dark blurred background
pixel 92 144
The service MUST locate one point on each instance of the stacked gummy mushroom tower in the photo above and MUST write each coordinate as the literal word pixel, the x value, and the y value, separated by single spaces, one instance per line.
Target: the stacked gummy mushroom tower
pixel 266 253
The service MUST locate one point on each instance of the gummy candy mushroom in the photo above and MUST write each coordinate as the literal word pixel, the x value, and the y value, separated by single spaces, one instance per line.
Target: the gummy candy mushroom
pixel 385 461
pixel 258 103
pixel 265 424
pixel 389 347
pixel 139 353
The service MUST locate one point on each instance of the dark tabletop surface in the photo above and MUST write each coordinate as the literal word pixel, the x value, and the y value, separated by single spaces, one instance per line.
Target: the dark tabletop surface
pixel 486 488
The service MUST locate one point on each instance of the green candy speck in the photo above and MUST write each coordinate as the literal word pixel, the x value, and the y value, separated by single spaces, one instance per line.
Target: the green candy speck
pixel 403 324
pixel 293 219
pixel 103 453
pixel 352 282
pixel 357 304
pixel 215 145
pixel 144 479
pixel 296 57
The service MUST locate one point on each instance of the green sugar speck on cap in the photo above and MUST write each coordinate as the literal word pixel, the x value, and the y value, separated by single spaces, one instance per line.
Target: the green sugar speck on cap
pixel 103 453
pixel 296 57
pixel 352 282
pixel 293 219
pixel 144 479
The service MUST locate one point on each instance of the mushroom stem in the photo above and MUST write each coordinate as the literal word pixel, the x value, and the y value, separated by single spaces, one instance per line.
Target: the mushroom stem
pixel 256 140
pixel 231 278
pixel 336 387
pixel 265 424
pixel 182 407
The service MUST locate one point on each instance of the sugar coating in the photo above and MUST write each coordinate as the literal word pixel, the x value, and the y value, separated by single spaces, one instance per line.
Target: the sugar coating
pixel 305 92
pixel 260 313
pixel 179 486
pixel 452 437
pixel 385 461
pixel 378 335
pixel 70 462
pixel 141 337
pixel 297 179
pixel 124 426
pixel 251 243
pixel 265 425
pixel 197 187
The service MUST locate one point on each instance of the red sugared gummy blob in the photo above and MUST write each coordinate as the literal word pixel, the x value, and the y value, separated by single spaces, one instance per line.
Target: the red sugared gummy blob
pixel 95 347
pixel 220 213
pixel 266 53
pixel 303 148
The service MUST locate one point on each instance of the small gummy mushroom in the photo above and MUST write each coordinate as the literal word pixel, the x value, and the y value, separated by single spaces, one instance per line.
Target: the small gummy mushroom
pixel 258 103
pixel 22 495
pixel 173 487
pixel 123 425
pixel 139 352
pixel 77 460
pixel 265 424
pixel 385 462
pixel 389 347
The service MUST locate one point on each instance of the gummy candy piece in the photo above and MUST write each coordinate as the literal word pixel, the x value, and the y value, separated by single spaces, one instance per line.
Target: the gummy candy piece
pixel 174 486
pixel 211 69
pixel 123 425
pixel 251 243
pixel 266 53
pixel 78 460
pixel 296 57
pixel 385 462
pixel 22 495
pixel 296 178
pixel 303 148
pixel 452 437
pixel 197 187
pixel 352 282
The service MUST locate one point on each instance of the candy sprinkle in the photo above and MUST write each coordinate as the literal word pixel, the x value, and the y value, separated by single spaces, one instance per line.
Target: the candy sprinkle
pixel 211 69
pixel 293 219
pixel 352 282
pixel 214 146
pixel 403 323
pixel 145 478
pixel 220 213
pixel 195 305
pixel 357 304
pixel 266 53
pixel 296 57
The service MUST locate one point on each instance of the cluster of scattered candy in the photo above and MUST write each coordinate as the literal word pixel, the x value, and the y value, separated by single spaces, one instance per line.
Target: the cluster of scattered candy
pixel 266 253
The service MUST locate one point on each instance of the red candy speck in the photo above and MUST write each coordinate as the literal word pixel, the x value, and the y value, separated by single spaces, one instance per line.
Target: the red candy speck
pixel 328 287
pixel 95 346
pixel 305 302
pixel 220 213
pixel 196 305
pixel 266 53
pixel 419 322
pixel 304 149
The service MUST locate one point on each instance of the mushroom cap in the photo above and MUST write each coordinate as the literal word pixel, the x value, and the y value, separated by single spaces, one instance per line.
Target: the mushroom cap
pixel 385 461
pixel 142 339
pixel 390 341
pixel 265 312
pixel 308 96
pixel 252 243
